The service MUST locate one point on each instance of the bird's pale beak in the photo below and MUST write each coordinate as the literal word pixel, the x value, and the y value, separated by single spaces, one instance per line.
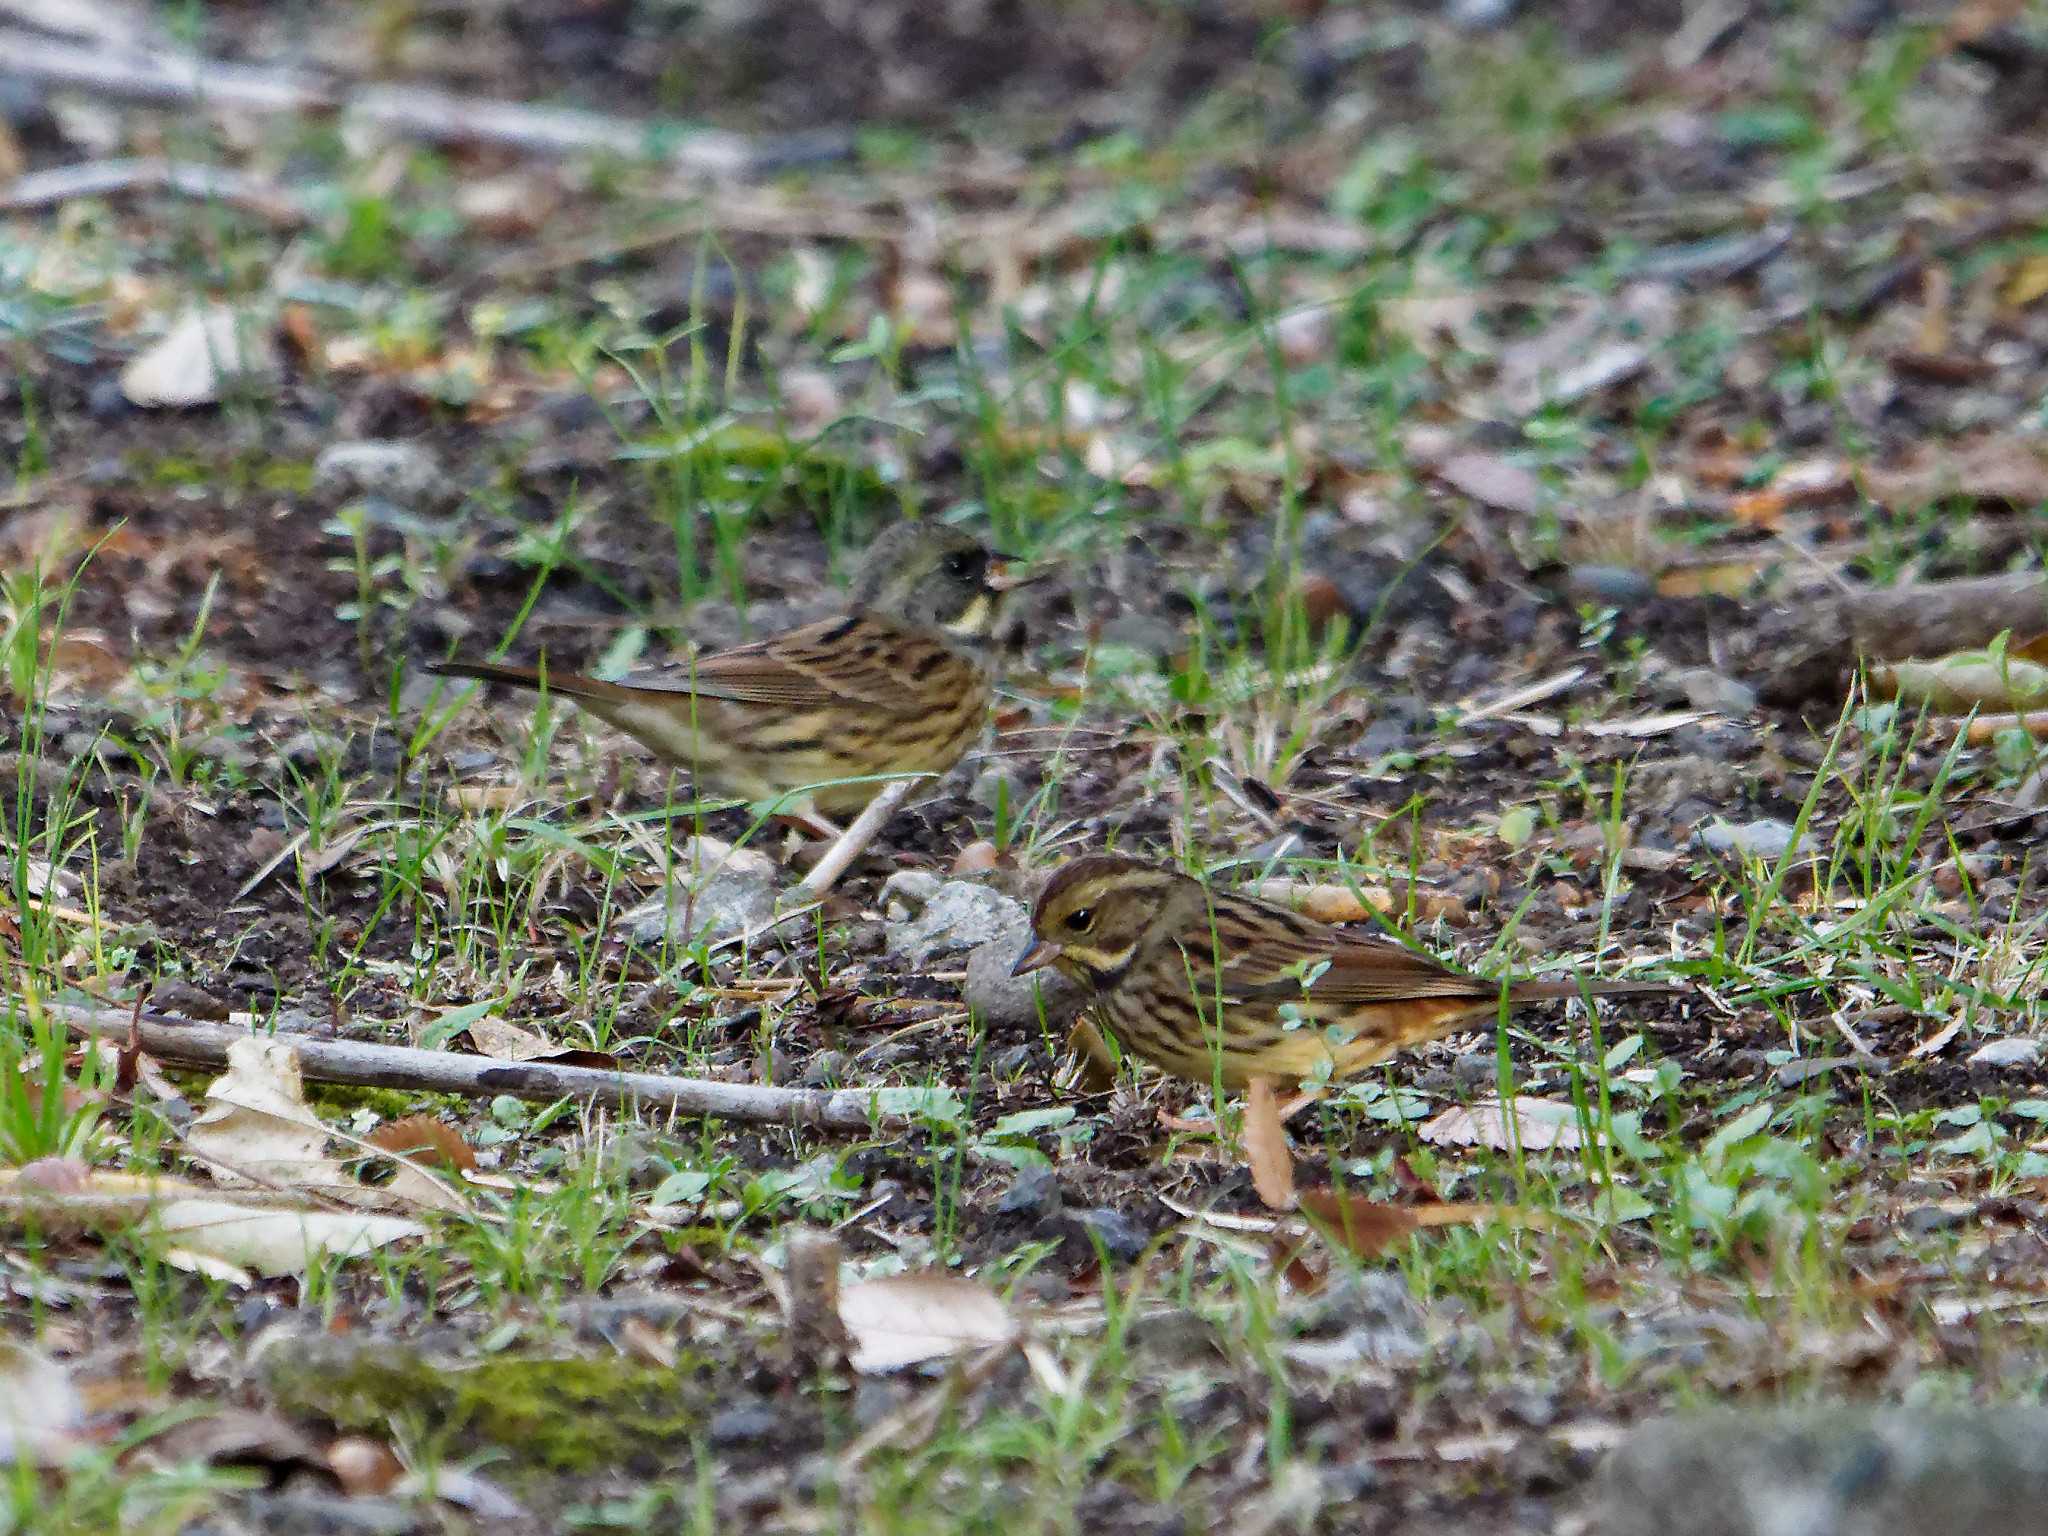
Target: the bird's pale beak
pixel 1011 575
pixel 1038 954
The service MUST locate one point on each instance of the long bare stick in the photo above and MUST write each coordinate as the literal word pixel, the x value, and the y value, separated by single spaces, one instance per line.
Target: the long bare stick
pixel 853 841
pixel 1986 728
pixel 1800 654
pixel 181 79
pixel 105 178
pixel 402 1066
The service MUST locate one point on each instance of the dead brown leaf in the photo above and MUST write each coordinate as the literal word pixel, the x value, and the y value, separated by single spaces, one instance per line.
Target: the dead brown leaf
pixel 508 1042
pixel 1265 1147
pixel 1807 483
pixel 2007 470
pixel 1720 578
pixel 202 1230
pixel 363 1466
pixel 239 1437
pixel 1370 1227
pixel 425 1140
pixel 1326 902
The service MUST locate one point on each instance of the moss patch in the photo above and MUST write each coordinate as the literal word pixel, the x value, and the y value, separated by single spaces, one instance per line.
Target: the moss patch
pixel 336 1100
pixel 564 1413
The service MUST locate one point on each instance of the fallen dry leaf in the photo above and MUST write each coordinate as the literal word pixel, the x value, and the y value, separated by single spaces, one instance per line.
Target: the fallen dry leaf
pixel 238 1437
pixel 1964 681
pixel 1265 1147
pixel 1807 483
pixel 363 1466
pixel 39 1406
pixel 256 1128
pixel 204 1230
pixel 1369 1227
pixel 271 1240
pixel 1538 1125
pixel 2028 281
pixel 1441 309
pixel 1326 903
pixel 192 362
pixel 1581 353
pixel 1492 481
pixel 1719 578
pixel 1995 469
pixel 906 1319
pixel 508 1042
pixel 425 1140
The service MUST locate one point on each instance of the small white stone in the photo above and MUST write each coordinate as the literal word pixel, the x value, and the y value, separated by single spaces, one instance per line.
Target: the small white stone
pixel 2010 1052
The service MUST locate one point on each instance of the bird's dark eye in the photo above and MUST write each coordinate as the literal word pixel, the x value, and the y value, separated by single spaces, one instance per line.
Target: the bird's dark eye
pixel 1081 919
pixel 965 563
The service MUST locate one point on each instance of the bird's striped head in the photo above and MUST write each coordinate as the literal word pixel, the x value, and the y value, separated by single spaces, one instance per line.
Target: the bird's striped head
pixel 930 575
pixel 1095 914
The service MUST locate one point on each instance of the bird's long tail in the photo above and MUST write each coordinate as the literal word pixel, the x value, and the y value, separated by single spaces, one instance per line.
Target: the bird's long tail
pixel 1541 991
pixel 572 685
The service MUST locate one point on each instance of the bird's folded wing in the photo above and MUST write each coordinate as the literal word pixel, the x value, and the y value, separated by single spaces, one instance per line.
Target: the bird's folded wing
pixel 854 660
pixel 1269 961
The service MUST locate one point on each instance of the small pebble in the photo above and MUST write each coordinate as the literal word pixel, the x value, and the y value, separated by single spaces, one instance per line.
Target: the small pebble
pixel 1765 839
pixel 2010 1052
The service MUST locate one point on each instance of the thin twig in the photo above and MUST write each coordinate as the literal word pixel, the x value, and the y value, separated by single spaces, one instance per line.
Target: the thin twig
pixel 105 178
pixel 854 840
pixel 171 78
pixel 1984 729
pixel 366 1064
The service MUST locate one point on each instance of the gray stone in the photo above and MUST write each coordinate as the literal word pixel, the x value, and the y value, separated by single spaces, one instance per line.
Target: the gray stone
pixel 746 1424
pixel 1006 1002
pixel 1476 1069
pixel 307 1511
pixel 1614 586
pixel 1144 633
pixel 406 473
pixel 905 893
pixel 1715 692
pixel 1035 1192
pixel 307 749
pixel 721 892
pixel 1012 1062
pixel 1121 1238
pixel 959 916
pixel 2010 1052
pixel 1478 15
pixel 1926 1220
pixel 1767 839
pixel 105 401
pixel 1835 1470
pixel 827 1069
pixel 997 787
pixel 1362 1317
pixel 1807 1068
